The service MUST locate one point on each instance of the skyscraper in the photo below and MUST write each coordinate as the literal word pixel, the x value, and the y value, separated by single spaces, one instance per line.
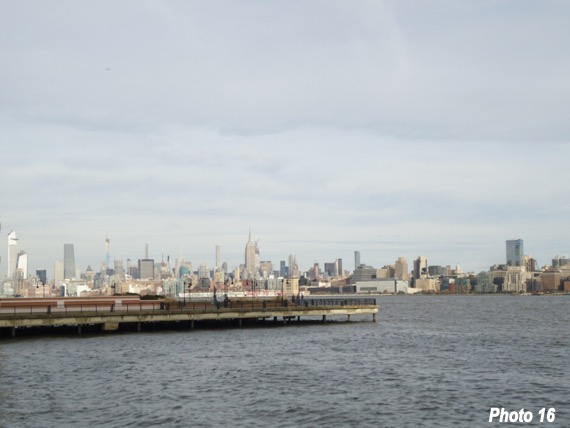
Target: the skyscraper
pixel 42 276
pixel 401 269
pixel 515 252
pixel 251 252
pixel 22 265
pixel 420 267
pixel 146 269
pixel 57 273
pixel 12 254
pixel 68 261
pixel 218 256
pixel 356 259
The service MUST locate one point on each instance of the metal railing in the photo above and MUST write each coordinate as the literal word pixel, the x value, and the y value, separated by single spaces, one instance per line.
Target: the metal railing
pixel 193 306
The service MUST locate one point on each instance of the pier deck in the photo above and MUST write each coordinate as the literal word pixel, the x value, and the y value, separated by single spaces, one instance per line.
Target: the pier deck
pixel 110 313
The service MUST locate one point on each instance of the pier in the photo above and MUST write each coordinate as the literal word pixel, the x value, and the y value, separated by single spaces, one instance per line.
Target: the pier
pixel 110 313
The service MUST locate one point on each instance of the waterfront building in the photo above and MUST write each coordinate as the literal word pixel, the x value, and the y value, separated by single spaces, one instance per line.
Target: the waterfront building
pixel 485 283
pixel 381 286
pixel 515 280
pixel 363 273
pixel 12 254
pixel 401 269
pixel 68 262
pixel 385 272
pixel 515 252
pixel 427 284
pixel 550 280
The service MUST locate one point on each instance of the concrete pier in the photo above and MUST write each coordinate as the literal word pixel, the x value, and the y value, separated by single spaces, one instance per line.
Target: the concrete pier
pixel 110 318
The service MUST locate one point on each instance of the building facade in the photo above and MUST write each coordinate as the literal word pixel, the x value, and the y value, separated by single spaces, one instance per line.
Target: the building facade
pixel 68 261
pixel 515 252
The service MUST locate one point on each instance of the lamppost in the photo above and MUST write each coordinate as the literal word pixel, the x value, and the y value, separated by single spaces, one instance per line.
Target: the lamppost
pixel 283 292
pixel 189 291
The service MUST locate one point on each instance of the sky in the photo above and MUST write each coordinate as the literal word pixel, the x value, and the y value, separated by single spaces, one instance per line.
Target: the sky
pixel 396 128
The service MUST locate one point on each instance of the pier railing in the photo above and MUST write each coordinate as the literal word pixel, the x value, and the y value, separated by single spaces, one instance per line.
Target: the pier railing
pixel 190 306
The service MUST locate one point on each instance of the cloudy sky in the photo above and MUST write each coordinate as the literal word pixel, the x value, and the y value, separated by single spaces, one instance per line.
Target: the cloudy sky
pixel 397 128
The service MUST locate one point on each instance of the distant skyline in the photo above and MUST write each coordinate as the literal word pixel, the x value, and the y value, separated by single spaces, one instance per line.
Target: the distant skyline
pixel 393 128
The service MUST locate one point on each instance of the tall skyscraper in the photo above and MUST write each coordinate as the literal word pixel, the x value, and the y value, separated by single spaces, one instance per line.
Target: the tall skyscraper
pixel 42 276
pixel 12 254
pixel 218 256
pixel 119 268
pixel 356 259
pixel 420 267
pixel 401 269
pixel 58 273
pixel 22 265
pixel 515 252
pixel 251 252
pixel 68 261
pixel 146 269
pixel 293 267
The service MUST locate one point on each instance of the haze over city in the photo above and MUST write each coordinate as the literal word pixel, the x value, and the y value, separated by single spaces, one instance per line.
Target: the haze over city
pixel 392 128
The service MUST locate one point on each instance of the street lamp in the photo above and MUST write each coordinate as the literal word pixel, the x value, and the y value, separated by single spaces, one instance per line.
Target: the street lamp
pixel 283 292
pixel 189 291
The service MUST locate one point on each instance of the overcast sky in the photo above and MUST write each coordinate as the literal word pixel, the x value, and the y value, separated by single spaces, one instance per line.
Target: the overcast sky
pixel 397 128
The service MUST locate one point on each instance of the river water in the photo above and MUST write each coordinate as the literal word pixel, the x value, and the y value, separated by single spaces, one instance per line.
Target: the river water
pixel 428 361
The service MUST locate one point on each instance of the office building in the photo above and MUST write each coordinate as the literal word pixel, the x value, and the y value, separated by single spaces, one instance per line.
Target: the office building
pixel 356 259
pixel 119 268
pixel 58 273
pixel 420 267
pixel 515 252
pixel 68 261
pixel 22 265
pixel 42 276
pixel 251 256
pixel 146 269
pixel 218 257
pixel 401 269
pixel 12 254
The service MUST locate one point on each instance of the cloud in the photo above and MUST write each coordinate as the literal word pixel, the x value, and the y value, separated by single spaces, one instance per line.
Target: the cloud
pixel 396 127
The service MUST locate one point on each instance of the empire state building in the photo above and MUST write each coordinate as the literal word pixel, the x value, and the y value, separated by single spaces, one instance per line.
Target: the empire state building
pixel 251 255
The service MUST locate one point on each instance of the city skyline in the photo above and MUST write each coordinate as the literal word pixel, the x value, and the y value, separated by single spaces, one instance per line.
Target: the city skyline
pixel 67 261
pixel 392 128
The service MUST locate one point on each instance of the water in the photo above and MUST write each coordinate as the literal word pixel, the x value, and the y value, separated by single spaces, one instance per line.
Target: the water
pixel 429 361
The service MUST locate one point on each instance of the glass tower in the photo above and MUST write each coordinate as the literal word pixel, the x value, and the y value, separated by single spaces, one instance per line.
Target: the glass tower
pixel 515 252
pixel 68 261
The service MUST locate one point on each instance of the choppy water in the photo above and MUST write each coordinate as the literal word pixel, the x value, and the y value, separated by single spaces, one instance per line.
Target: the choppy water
pixel 428 361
